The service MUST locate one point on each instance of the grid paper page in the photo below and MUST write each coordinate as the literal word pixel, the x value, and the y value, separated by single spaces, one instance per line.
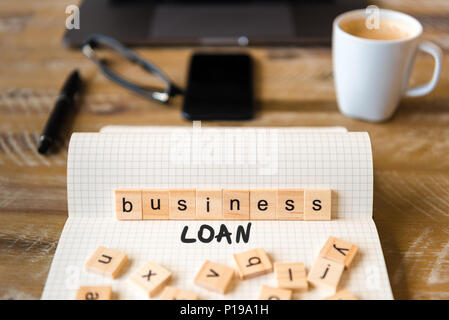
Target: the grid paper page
pixel 216 158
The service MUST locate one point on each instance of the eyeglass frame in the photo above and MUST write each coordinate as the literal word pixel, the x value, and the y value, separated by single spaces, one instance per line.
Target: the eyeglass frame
pixel 98 40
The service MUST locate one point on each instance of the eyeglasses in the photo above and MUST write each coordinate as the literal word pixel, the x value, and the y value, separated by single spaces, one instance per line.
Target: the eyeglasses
pixel 98 41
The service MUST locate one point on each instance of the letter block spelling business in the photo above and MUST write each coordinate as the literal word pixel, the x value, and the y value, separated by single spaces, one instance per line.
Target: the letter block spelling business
pixel 191 204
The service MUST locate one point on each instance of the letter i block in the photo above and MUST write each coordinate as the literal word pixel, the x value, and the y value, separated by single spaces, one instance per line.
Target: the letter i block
pixel 339 251
pixel 94 293
pixel 209 205
pixel 155 204
pixel 326 273
pixel 269 293
pixel 128 204
pixel 215 277
pixel 317 204
pixel 291 275
pixel 106 261
pixel 151 278
pixel 171 293
pixel 253 263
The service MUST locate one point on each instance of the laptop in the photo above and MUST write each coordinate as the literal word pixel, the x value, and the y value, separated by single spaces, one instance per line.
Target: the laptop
pixel 210 22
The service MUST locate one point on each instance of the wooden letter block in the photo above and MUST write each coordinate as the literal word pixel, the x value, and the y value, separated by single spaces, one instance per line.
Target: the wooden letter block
pixel 215 277
pixel 171 293
pixel 151 278
pixel 182 204
pixel 253 263
pixel 290 205
pixel 155 204
pixel 94 293
pixel 326 273
pixel 263 204
pixel 236 204
pixel 128 204
pixel 317 204
pixel 107 262
pixel 209 205
pixel 339 251
pixel 344 294
pixel 269 293
pixel 291 275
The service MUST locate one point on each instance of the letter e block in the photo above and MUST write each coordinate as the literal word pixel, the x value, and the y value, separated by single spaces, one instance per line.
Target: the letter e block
pixel 128 204
pixel 155 204
pixel 253 263
pixel 215 277
pixel 317 204
pixel 339 251
pixel 291 275
pixel 236 204
pixel 107 262
pixel 151 278
pixel 270 293
pixel 263 204
pixel 326 273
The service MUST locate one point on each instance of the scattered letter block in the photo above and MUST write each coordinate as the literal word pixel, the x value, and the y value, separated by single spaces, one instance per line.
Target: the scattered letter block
pixel 317 204
pixel 215 277
pixel 339 251
pixel 94 293
pixel 182 204
pixel 263 204
pixel 107 261
pixel 253 263
pixel 290 205
pixel 151 278
pixel 209 205
pixel 326 273
pixel 291 275
pixel 171 293
pixel 155 204
pixel 128 204
pixel 269 293
pixel 344 294
pixel 236 204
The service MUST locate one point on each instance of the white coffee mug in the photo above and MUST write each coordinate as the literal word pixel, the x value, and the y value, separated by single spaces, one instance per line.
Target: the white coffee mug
pixel 371 76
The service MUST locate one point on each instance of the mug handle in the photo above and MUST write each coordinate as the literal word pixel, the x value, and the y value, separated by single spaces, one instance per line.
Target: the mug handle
pixel 437 54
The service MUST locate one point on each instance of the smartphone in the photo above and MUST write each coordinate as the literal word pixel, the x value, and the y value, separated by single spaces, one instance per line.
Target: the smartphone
pixel 219 87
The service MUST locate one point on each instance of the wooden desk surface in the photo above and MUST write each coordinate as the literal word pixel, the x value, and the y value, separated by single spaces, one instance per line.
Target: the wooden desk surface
pixel 294 87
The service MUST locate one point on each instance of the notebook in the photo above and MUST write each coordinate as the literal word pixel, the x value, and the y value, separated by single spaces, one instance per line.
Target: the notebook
pixel 249 158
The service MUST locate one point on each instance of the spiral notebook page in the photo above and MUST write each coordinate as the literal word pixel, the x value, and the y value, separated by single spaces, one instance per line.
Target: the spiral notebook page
pixel 99 163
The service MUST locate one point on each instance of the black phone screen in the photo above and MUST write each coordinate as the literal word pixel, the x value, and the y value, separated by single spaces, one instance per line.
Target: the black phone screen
pixel 220 87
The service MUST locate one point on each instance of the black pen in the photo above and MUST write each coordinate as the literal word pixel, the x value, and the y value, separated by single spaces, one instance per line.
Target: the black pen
pixel 64 103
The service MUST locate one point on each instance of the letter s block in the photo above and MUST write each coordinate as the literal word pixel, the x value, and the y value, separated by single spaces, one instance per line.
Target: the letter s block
pixel 128 204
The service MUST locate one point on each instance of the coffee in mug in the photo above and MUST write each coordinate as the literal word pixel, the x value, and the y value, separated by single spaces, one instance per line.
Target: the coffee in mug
pixel 372 66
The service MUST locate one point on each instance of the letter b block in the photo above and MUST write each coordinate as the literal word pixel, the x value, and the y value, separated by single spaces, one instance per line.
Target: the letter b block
pixel 128 204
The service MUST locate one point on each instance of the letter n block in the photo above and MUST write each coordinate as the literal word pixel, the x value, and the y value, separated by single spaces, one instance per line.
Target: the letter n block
pixel 106 261
pixel 128 204
pixel 236 204
pixel 253 263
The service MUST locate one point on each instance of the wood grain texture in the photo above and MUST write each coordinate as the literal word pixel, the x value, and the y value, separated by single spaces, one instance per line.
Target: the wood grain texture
pixel 293 87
